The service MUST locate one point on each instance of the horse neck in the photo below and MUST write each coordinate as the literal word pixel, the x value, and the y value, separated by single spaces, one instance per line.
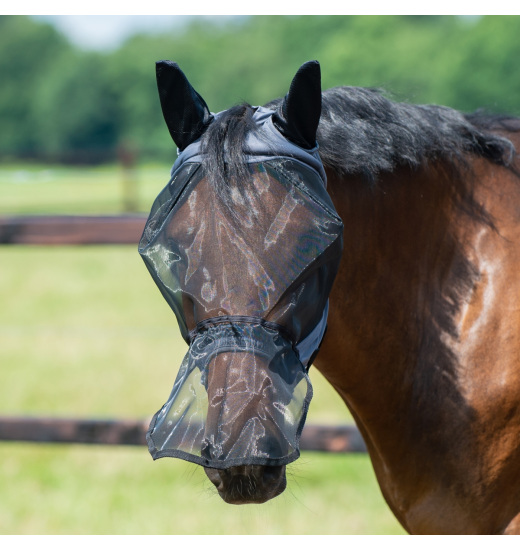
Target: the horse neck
pixel 402 277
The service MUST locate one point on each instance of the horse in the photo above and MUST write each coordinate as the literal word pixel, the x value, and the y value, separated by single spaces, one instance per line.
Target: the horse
pixel 423 309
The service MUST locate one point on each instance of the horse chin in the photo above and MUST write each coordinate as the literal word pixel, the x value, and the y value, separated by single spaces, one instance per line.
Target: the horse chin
pixel 248 484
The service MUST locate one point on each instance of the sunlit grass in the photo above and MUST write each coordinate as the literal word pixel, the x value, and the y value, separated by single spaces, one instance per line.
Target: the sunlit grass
pixel 93 490
pixel 40 189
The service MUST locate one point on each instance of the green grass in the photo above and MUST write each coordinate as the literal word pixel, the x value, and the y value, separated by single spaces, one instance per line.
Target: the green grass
pixel 36 189
pixel 84 332
pixel 95 490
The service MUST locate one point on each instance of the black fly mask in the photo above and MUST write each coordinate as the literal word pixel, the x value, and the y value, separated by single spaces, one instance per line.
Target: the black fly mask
pixel 248 278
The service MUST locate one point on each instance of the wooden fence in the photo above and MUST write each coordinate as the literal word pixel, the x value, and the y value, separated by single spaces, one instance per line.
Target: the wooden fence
pixel 85 230
pixel 335 439
pixel 71 230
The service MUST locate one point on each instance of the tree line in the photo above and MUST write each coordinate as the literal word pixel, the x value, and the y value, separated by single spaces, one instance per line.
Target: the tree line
pixel 61 103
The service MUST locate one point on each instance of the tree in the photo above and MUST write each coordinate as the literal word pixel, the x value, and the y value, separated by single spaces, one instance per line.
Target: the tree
pixel 27 51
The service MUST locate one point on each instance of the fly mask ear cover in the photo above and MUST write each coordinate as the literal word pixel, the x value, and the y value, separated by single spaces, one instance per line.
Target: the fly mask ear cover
pixel 250 292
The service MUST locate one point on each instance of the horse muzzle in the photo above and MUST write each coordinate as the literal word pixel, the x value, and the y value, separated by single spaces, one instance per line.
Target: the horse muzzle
pixel 248 484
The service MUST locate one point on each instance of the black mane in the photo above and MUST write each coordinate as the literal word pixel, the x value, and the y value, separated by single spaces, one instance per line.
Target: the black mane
pixel 222 143
pixel 362 132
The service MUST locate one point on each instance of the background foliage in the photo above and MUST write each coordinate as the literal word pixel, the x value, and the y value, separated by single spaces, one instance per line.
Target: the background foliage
pixel 61 103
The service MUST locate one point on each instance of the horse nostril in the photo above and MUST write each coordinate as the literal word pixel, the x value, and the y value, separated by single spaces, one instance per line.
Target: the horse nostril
pixel 271 473
pixel 216 477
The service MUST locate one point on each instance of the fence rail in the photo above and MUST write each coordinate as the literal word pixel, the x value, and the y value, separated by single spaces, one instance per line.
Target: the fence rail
pixel 333 439
pixel 84 230
pixel 71 230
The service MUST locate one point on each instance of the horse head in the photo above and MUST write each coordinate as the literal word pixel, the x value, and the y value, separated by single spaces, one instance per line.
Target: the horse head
pixel 244 244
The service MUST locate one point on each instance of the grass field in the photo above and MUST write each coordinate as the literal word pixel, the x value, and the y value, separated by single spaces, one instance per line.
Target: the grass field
pixel 34 189
pixel 84 332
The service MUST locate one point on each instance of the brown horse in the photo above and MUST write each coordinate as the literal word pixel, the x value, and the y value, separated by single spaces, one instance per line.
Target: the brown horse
pixel 423 340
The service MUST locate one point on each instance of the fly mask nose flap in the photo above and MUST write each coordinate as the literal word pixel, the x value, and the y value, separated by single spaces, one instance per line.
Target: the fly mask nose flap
pixel 241 397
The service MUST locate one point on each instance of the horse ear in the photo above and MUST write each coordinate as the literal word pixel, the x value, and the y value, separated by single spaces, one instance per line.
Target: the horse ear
pixel 298 116
pixel 185 112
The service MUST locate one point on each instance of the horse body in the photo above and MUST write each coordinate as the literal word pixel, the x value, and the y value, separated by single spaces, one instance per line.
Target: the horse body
pixel 424 341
